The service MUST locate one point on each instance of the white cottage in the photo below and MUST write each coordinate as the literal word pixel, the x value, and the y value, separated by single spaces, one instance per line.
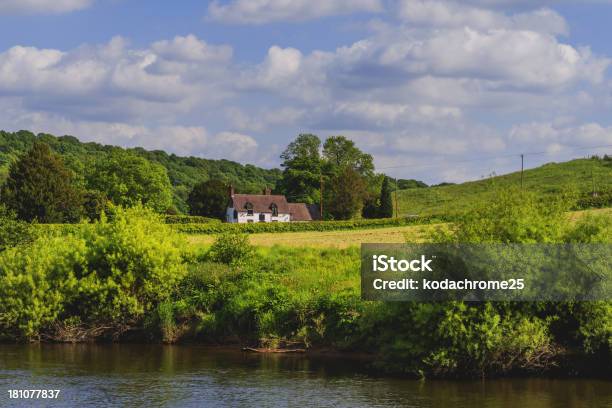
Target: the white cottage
pixel 266 207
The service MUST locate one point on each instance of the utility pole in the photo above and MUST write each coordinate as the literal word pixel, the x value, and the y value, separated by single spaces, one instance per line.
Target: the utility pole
pixel 522 168
pixel 321 201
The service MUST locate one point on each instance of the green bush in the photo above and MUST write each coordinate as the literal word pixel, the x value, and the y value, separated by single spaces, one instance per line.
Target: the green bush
pixel 109 273
pixel 12 231
pixel 231 248
pixel 513 216
pixel 601 200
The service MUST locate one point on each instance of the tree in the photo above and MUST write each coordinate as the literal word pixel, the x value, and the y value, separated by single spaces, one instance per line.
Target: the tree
pixel 208 199
pixel 128 180
pixel 386 203
pixel 302 170
pixel 39 187
pixel 340 152
pixel 345 194
pixel 370 207
pixel 403 184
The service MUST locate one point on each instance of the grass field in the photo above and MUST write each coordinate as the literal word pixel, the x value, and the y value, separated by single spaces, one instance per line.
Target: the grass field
pixel 330 239
pixel 577 175
pixel 345 239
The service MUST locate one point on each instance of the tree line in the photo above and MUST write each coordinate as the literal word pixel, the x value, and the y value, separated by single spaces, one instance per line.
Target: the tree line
pixel 42 185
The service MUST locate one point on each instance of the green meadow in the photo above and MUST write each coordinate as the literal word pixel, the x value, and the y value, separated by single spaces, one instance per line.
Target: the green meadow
pixel 578 177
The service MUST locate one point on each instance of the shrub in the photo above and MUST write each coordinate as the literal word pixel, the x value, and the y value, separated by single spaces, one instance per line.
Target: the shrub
pixel 601 200
pixel 12 231
pixel 514 216
pixel 231 248
pixel 109 273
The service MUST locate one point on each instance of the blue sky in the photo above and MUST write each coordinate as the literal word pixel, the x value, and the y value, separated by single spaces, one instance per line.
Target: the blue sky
pixel 437 90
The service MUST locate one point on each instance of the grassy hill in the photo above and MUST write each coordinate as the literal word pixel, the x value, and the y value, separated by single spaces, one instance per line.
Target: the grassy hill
pixel 184 172
pixel 576 175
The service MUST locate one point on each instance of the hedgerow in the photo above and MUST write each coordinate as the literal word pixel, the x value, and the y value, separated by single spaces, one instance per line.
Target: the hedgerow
pixel 601 200
pixel 189 219
pixel 253 228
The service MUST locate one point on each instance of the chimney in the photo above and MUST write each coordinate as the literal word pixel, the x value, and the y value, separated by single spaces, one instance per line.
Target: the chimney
pixel 230 190
pixel 267 191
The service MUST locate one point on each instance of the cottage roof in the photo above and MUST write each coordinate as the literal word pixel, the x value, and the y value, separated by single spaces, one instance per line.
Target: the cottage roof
pixel 262 203
pixel 303 212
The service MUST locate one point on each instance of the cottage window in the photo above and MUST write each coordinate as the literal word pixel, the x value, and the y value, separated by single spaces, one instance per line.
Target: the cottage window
pixel 274 209
pixel 262 217
pixel 235 214
pixel 249 208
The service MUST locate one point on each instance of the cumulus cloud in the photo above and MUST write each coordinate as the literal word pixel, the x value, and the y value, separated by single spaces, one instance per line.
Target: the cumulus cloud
pixel 553 138
pixel 42 6
pixel 455 14
pixel 113 79
pixel 267 11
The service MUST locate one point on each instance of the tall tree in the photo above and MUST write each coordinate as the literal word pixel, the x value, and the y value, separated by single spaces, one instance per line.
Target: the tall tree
pixel 345 194
pixel 386 203
pixel 40 187
pixel 301 169
pixel 128 179
pixel 208 199
pixel 340 152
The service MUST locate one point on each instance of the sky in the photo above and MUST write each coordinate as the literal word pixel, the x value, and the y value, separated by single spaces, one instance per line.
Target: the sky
pixel 437 90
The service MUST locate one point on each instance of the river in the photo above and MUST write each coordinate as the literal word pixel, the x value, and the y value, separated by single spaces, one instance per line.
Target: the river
pixel 128 375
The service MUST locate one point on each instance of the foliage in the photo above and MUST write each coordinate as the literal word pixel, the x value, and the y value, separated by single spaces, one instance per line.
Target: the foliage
pixel 208 199
pixel 189 219
pixel 260 227
pixel 386 203
pixel 588 200
pixel 371 207
pixel 13 232
pixel 231 248
pixel 591 229
pixel 345 194
pixel 39 187
pixel 515 216
pixel 301 170
pixel 107 274
pixel 94 204
pixel 184 172
pixel 403 184
pixel 340 153
pixel 128 180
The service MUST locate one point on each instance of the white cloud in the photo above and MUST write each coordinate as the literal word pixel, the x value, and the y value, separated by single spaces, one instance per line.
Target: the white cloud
pixel 235 146
pixel 554 138
pixel 42 6
pixel 190 48
pixel 113 80
pixel 267 11
pixel 440 13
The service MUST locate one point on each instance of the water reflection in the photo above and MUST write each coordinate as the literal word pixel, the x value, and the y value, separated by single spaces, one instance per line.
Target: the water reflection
pixel 168 376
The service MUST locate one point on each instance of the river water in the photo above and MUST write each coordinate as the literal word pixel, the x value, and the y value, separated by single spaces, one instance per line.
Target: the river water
pixel 129 375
